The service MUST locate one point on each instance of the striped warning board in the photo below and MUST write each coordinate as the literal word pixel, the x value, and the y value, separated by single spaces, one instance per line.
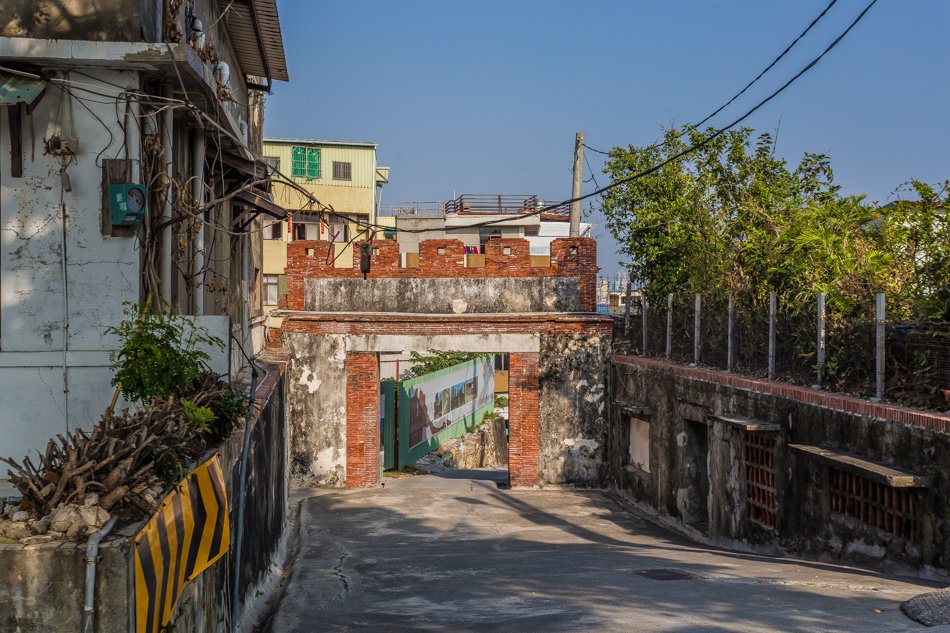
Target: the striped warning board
pixel 184 537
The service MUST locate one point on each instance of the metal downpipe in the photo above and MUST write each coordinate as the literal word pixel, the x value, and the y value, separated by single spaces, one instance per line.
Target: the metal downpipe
pixel 92 557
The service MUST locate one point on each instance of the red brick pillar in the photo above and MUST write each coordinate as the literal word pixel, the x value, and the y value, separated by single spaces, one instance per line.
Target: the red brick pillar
pixel 362 420
pixel 523 419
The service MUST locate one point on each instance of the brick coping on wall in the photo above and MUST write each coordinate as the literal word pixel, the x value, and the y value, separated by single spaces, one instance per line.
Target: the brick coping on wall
pixel 428 317
pixel 888 412
pixel 360 323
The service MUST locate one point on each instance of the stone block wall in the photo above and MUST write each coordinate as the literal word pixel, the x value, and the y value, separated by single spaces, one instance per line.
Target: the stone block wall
pixel 782 469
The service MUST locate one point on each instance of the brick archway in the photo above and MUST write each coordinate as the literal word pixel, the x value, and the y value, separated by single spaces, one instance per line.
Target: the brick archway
pixel 541 313
pixel 362 419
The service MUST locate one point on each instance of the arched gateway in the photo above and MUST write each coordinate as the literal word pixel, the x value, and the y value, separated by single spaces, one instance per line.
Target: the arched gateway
pixel 539 310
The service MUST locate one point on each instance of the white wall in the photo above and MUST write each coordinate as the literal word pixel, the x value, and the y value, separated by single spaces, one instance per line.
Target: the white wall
pixel 101 273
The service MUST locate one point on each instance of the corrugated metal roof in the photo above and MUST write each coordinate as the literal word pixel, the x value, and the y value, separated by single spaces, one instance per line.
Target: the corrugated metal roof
pixel 254 29
pixel 314 141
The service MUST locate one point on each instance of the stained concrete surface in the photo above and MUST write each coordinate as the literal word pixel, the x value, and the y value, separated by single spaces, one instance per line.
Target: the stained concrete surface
pixel 453 552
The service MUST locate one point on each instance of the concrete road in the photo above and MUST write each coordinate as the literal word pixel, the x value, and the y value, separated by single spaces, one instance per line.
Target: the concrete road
pixel 454 553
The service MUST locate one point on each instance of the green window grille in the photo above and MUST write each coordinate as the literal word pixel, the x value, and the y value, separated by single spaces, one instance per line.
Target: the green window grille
pixel 305 162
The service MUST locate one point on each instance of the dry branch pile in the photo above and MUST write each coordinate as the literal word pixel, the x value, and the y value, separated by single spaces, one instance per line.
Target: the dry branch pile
pixel 124 457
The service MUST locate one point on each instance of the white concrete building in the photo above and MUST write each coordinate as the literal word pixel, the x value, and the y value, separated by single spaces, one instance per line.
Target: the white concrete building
pixel 104 100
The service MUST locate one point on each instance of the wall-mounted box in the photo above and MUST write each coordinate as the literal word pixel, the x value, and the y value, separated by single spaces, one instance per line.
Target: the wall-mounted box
pixel 127 204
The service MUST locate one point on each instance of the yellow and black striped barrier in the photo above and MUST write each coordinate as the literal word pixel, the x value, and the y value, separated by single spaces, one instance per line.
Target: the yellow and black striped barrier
pixel 188 533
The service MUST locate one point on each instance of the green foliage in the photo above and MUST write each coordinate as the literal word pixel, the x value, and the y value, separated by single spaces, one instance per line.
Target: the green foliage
pixel 233 404
pixel 157 356
pixel 732 217
pixel 434 361
pixel 200 418
pixel 501 401
pixel 171 466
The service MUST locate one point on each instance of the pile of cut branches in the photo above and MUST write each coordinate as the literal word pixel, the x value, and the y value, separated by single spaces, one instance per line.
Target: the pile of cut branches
pixel 128 454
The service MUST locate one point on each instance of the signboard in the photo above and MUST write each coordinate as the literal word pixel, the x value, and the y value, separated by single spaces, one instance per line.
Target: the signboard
pixel 189 532
pixel 443 405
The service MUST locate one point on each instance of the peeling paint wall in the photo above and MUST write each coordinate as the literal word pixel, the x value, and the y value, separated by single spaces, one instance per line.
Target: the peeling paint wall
pixel 572 416
pixel 101 273
pixel 573 409
pixel 317 388
pixel 443 296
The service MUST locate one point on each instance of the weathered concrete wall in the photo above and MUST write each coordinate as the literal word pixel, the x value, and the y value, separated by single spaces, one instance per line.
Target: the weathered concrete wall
pixel 443 296
pixel 573 409
pixel 696 475
pixel 317 384
pixel 569 428
pixel 41 586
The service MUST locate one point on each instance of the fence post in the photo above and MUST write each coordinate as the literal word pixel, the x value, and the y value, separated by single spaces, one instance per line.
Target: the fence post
pixel 773 312
pixel 821 338
pixel 643 306
pixel 626 314
pixel 696 321
pixel 669 325
pixel 879 344
pixel 730 355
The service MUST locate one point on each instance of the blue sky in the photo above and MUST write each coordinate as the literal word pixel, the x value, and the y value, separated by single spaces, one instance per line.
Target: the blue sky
pixel 485 97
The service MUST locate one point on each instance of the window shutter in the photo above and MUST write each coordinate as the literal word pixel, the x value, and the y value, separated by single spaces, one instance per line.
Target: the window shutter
pixel 298 162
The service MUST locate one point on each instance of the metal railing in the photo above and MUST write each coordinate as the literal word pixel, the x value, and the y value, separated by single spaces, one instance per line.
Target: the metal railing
pixel 864 352
pixel 477 204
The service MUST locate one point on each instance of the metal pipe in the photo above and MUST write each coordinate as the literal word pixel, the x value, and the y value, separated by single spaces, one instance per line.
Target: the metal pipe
pixel 627 303
pixel 242 487
pixel 879 343
pixel 134 139
pixel 821 338
pixel 198 195
pixel 92 557
pixel 773 315
pixel 697 319
pixel 730 326
pixel 644 304
pixel 669 325
pixel 165 270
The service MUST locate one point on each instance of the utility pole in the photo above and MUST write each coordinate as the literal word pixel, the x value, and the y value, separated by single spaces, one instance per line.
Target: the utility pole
pixel 578 182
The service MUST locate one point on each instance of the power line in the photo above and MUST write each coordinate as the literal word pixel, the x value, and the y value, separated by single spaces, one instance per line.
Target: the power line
pixel 751 83
pixel 646 172
pixel 771 65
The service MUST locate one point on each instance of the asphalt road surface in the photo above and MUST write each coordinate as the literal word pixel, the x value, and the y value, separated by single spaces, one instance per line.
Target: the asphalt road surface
pixel 453 552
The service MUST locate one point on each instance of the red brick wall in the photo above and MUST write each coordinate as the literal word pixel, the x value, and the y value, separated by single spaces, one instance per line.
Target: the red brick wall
pixel 430 325
pixel 523 410
pixel 570 257
pixel 362 420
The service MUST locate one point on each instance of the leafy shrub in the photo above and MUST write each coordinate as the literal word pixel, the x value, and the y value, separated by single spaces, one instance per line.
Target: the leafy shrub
pixel 157 356
pixel 423 364
pixel 200 418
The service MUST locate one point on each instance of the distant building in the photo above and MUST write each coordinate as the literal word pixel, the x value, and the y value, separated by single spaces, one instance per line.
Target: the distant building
pixel 464 219
pixel 334 197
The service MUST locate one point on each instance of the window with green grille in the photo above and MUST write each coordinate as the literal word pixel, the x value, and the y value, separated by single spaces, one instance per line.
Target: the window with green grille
pixel 305 162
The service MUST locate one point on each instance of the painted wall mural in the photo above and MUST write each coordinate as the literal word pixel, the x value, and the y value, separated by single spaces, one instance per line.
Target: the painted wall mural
pixel 438 406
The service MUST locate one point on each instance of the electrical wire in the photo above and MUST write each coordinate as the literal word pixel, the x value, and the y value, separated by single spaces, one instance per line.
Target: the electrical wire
pixel 689 150
pixel 748 85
